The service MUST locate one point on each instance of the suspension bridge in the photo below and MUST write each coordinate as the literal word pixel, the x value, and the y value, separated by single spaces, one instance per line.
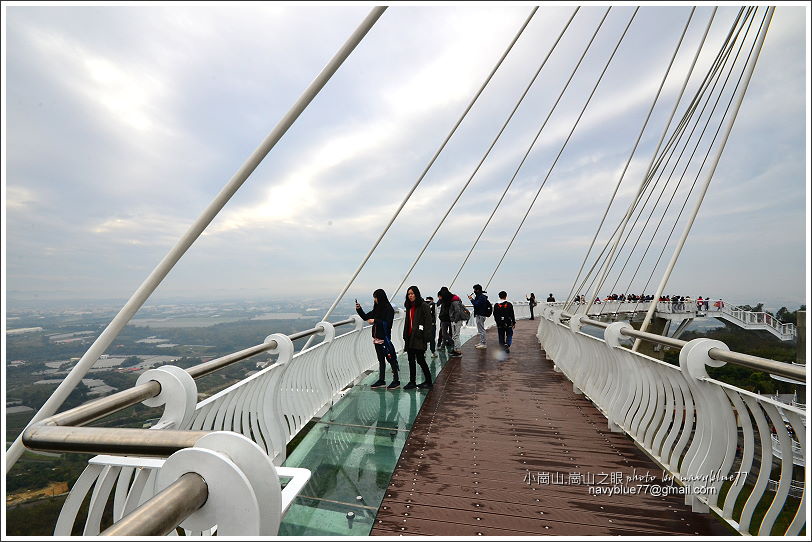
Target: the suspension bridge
pixel 573 433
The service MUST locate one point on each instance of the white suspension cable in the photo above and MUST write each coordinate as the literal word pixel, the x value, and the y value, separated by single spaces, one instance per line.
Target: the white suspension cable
pixel 636 143
pixel 668 149
pixel 426 170
pixel 530 148
pixel 748 73
pixel 487 153
pixel 682 175
pixel 628 214
pixel 564 146
pixel 162 269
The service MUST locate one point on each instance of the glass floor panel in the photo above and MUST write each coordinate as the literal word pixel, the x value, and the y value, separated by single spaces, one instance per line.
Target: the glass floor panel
pixel 352 452
pixel 314 517
pixel 349 465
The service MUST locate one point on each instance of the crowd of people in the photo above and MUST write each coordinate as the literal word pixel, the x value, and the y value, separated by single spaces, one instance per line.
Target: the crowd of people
pixel 677 302
pixel 420 329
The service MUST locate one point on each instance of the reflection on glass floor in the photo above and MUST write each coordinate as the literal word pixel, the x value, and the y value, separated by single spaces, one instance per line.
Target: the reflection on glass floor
pixel 352 452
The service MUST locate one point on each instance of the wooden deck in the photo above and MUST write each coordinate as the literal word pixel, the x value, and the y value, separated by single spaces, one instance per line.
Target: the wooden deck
pixel 505 448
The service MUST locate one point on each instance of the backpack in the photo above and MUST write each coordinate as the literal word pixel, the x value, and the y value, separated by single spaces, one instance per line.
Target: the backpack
pixel 463 314
pixel 388 348
pixel 488 308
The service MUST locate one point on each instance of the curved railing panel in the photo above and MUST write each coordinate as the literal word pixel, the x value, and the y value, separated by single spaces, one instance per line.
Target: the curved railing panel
pixel 722 444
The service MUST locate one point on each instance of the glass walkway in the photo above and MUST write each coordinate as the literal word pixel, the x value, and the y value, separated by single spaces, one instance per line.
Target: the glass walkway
pixel 352 452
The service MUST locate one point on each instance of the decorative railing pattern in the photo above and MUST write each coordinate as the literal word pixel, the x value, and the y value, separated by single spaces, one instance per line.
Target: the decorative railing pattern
pixel 736 315
pixel 270 407
pixel 713 438
pixel 266 409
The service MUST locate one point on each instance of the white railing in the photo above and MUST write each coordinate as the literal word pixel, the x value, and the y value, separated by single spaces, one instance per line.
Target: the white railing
pixel 688 309
pixel 797 451
pixel 269 408
pixel 759 320
pixel 705 433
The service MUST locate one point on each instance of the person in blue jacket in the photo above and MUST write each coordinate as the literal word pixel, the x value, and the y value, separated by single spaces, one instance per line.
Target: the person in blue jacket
pixel 482 309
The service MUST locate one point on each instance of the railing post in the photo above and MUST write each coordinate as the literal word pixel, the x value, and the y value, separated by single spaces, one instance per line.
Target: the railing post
pixel 713 447
pixel 178 393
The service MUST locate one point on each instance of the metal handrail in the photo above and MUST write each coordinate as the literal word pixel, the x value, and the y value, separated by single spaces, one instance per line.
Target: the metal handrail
pixel 165 511
pixel 743 360
pixel 61 432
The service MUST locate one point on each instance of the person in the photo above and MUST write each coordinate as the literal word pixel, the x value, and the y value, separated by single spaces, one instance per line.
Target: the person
pixel 444 302
pixel 416 330
pixel 699 303
pixel 532 303
pixel 550 298
pixel 707 303
pixel 458 314
pixel 381 317
pixel 505 321
pixel 433 329
pixel 482 309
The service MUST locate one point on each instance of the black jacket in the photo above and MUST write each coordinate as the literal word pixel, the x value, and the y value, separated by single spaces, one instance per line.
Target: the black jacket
pixel 380 312
pixel 416 338
pixel 503 314
pixel 432 313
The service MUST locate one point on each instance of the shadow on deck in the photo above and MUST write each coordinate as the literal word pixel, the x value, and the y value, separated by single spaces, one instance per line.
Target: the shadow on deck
pixel 505 448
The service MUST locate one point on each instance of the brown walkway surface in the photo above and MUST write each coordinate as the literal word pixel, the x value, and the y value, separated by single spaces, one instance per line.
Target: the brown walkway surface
pixel 464 469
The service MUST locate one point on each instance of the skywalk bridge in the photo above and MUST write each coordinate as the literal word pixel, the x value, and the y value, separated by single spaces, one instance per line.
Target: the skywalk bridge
pixel 589 403
pixel 685 313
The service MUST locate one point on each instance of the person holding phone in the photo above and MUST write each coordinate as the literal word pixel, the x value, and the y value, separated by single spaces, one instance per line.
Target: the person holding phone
pixel 382 316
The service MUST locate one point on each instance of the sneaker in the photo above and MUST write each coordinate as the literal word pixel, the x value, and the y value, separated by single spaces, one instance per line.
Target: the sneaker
pixel 394 385
pixel 410 386
pixel 456 354
pixel 507 350
pixel 433 355
pixel 425 386
pixel 379 384
pixel 481 346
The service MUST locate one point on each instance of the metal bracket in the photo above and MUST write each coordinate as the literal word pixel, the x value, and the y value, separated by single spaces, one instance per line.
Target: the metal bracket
pixel 178 393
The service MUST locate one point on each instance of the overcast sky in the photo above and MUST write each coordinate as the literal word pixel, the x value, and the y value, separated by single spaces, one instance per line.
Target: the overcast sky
pixel 122 123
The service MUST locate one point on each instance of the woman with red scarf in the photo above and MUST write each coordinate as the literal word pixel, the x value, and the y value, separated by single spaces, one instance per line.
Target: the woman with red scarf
pixel 416 331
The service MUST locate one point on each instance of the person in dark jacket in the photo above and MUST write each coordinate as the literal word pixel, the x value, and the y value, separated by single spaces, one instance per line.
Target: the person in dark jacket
pixel 433 331
pixel 481 312
pixel 382 317
pixel 531 301
pixel 444 302
pixel 456 317
pixel 505 321
pixel 416 330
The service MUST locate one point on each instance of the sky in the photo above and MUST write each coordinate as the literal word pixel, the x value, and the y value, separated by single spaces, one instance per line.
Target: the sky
pixel 121 124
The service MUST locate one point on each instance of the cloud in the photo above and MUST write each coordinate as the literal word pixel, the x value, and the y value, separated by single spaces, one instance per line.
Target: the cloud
pixel 124 122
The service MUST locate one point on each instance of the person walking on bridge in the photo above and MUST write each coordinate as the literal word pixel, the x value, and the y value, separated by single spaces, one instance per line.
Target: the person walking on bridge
pixel 416 330
pixel 505 321
pixel 433 329
pixel 482 309
pixel 458 315
pixel 444 302
pixel 381 317
pixel 531 301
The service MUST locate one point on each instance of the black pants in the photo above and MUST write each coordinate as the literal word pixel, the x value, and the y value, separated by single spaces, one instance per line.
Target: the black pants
pixel 531 312
pixel 432 345
pixel 418 356
pixel 381 353
pixel 445 335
